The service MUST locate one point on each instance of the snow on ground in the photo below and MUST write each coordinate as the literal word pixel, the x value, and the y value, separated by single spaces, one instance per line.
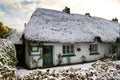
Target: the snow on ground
pixel 23 72
pixel 99 70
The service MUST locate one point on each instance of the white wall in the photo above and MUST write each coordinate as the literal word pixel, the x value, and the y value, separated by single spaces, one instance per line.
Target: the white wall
pixel 57 49
pixel 38 62
pixel 102 49
pixel 29 59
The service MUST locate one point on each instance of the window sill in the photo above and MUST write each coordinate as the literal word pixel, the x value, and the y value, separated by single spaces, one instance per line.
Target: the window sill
pixel 94 53
pixel 34 51
pixel 68 55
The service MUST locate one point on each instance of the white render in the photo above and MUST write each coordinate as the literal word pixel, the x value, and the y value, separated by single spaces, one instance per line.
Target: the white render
pixel 57 26
pixel 29 59
pixel 57 49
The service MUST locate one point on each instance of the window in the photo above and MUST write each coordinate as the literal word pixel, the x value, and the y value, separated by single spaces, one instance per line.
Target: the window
pixel 68 50
pixel 35 49
pixel 93 49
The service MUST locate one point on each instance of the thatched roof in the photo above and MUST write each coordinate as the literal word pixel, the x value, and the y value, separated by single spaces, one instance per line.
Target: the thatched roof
pixel 56 26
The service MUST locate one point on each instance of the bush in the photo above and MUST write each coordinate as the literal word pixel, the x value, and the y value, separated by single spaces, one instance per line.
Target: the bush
pixel 8 60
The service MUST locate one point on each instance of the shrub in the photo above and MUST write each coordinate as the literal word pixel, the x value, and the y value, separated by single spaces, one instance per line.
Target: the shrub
pixel 8 60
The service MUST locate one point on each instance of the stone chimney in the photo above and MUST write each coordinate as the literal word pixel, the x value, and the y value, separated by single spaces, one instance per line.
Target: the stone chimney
pixel 67 10
pixel 88 14
pixel 115 19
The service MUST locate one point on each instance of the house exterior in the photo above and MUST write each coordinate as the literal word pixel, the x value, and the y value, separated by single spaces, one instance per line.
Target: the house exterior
pixel 16 38
pixel 56 38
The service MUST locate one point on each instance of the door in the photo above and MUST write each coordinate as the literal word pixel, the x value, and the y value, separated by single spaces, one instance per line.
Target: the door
pixel 47 56
pixel 20 53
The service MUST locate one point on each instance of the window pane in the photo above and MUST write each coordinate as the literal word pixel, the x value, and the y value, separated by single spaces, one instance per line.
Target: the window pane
pixel 63 47
pixel 96 48
pixel 90 45
pixel 71 51
pixel 68 47
pixel 63 51
pixel 68 51
pixel 93 46
pixel 71 46
pixel 35 49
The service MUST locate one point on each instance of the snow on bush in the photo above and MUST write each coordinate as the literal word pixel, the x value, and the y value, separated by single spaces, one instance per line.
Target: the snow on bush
pixel 8 60
pixel 99 70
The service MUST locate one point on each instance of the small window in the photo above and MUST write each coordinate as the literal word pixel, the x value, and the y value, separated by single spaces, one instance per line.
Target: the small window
pixel 68 49
pixel 93 49
pixel 35 49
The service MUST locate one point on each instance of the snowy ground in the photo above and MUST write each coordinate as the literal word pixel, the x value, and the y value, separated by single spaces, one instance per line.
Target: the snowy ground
pixel 99 70
pixel 23 72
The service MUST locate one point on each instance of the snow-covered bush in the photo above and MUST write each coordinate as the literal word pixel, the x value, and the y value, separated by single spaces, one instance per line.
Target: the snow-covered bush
pixel 8 60
pixel 99 70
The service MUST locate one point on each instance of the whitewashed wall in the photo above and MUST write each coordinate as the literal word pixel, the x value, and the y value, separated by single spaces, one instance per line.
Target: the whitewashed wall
pixel 29 59
pixel 57 49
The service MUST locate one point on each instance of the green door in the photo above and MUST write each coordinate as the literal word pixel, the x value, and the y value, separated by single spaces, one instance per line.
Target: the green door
pixel 47 56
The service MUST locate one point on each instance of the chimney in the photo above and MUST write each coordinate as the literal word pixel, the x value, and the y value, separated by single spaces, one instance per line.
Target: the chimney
pixel 67 10
pixel 88 14
pixel 115 19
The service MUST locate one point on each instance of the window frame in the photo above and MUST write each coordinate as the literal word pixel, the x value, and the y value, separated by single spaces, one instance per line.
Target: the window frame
pixel 32 47
pixel 68 50
pixel 93 49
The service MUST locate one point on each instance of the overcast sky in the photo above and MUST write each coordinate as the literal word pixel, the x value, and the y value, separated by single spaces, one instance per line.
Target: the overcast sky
pixel 14 13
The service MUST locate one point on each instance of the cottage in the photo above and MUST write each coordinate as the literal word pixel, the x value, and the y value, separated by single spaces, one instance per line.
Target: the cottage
pixel 55 38
pixel 16 38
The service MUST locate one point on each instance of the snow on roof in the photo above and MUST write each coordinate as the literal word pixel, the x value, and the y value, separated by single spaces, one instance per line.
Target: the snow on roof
pixel 15 38
pixel 56 26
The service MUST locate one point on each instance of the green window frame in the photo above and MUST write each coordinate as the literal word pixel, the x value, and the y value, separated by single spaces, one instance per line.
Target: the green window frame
pixel 93 49
pixel 34 49
pixel 68 50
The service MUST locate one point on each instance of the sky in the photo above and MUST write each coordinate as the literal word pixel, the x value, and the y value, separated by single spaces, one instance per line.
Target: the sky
pixel 14 13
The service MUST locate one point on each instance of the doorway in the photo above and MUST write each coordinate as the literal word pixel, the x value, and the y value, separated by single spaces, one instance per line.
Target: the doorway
pixel 47 56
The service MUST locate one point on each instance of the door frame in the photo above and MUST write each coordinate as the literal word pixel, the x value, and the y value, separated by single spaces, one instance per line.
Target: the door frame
pixel 51 55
